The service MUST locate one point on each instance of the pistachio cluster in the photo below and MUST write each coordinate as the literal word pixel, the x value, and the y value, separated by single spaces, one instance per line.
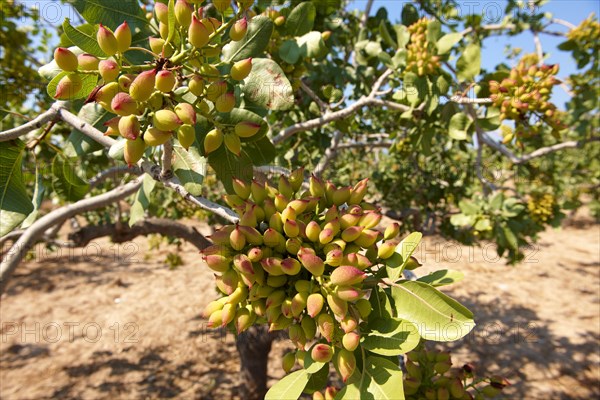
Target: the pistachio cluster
pixel 429 376
pixel 587 34
pixel 298 260
pixel 541 207
pixel 420 57
pixel 526 92
pixel 148 99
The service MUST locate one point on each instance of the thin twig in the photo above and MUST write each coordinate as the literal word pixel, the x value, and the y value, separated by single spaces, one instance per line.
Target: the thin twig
pixel 112 173
pixel 563 23
pixel 329 155
pixel 34 124
pixel 25 242
pixel 538 48
pixel 322 105
pixel 467 100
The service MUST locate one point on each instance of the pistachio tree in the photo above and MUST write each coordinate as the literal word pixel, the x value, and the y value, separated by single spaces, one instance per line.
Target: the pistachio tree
pixel 272 118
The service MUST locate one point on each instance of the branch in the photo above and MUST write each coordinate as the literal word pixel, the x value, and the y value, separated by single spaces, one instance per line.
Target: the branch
pixel 385 144
pixel 466 100
pixel 167 158
pixel 162 226
pixel 563 23
pixel 174 184
pixel 112 173
pixel 20 248
pixel 365 16
pixel 478 161
pixel 538 48
pixel 34 124
pixel 322 105
pixel 86 128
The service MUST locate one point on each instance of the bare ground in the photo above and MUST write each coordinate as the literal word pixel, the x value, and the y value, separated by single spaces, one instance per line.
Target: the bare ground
pixel 112 321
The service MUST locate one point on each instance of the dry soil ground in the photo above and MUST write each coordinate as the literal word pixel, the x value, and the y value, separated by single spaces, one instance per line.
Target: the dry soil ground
pixel 112 321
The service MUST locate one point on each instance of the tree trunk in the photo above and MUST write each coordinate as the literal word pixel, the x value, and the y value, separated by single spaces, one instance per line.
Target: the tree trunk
pixel 254 346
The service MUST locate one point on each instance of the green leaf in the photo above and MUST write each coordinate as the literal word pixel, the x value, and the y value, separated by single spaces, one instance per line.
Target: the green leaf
pixel 483 225
pixel 386 36
pixel 289 51
pixel 402 36
pixel 301 20
pixel 410 14
pixel 290 387
pixel 112 13
pixel 459 124
pixel 82 39
pixel 228 165
pixel 268 86
pixel 468 65
pixel 442 277
pixel 381 306
pixel 261 152
pixel 380 379
pixel 238 115
pixel 79 144
pixel 190 167
pixel 38 197
pixel 89 82
pixel 14 201
pixel 391 337
pixel 434 30
pixel 141 200
pixel 172 21
pixel 318 380
pixel 511 238
pixel 396 263
pixel 399 59
pixel 254 42
pixel 445 43
pixel 312 45
pixel 436 316
pixel 66 179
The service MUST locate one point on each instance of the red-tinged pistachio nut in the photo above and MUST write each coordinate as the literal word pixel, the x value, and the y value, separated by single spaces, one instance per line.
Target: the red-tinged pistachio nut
pixel 313 263
pixel 345 363
pixel 123 36
pixel 259 193
pixel 183 13
pixel 321 352
pixel 284 186
pixel 166 120
pixel 252 235
pixel 293 245
pixel 246 129
pixel 358 192
pixel 213 140
pixel 443 393
pixel 386 249
pixel 227 313
pixel 112 127
pixel 233 200
pixel 225 103
pixel 334 258
pixel 155 137
pixel 129 127
pixel 107 41
pixel 186 113
pixel 347 220
pixel 133 151
pixel 243 319
pixel 281 201
pixel 348 323
pixel 125 82
pixel 350 341
pixel 249 218
pixel 212 24
pixel 286 306
pixel 232 143
pixel 217 262
pixel 367 238
pixel 338 306
pixel 370 219
pixel 163 30
pixel 296 179
pixel 66 59
pixel 330 393
pixel 198 35
pixel 341 195
pixel 290 266
pixel 276 298
pixel 272 265
pixel 456 388
pixel 142 86
pixel 281 323
pixel 109 70
pixel 255 254
pixel 316 187
pixel 227 282
pixel 291 228
pixel 88 62
pixel 68 87
pixel 314 304
pixel 289 359
pixel 221 237
pixel 165 81
pixel 351 233
pixel 243 264
pixel 348 293
pixel 215 319
pixel 391 231
pixel 326 326
pixel 298 304
pixel 272 237
pixel 364 308
pixel 196 85
pixel 106 93
pixel 238 30
pixel 161 11
pixel 241 69
pixel 347 275
pixel 288 214
pixel 318 396
pixel 326 236
pixel 124 105
pixel 237 240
